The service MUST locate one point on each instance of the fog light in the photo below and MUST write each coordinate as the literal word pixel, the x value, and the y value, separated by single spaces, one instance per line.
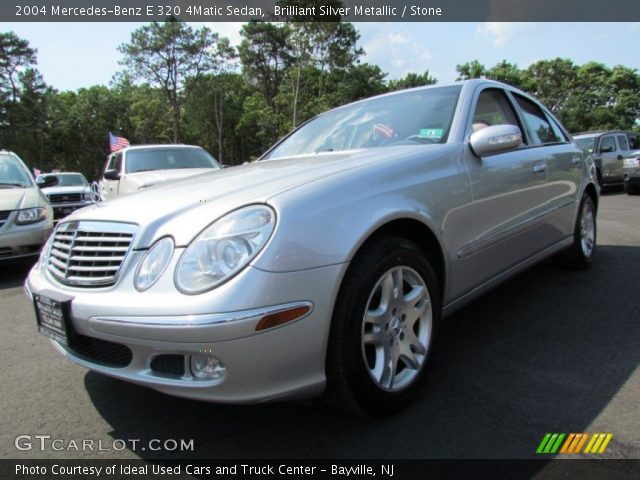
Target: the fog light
pixel 206 367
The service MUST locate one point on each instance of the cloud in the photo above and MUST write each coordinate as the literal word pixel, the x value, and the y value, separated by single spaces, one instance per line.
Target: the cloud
pixel 231 30
pixel 502 32
pixel 396 38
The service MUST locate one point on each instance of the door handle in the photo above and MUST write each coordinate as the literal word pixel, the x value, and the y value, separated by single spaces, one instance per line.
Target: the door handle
pixel 576 160
pixel 539 168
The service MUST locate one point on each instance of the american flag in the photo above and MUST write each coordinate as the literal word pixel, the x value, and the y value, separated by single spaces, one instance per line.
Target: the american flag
pixel 117 143
pixel 383 130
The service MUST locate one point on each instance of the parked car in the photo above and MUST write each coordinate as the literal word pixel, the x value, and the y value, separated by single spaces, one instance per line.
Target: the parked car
pixel 26 218
pixel 632 173
pixel 70 193
pixel 138 167
pixel 609 148
pixel 327 265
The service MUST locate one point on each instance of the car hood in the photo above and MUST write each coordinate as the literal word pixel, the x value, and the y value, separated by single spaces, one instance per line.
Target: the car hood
pixel 146 179
pixel 63 190
pixel 183 208
pixel 17 198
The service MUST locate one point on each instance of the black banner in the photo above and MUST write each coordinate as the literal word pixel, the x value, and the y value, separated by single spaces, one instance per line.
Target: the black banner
pixel 329 10
pixel 318 469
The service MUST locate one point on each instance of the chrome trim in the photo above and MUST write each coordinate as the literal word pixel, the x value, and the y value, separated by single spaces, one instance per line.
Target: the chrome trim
pixel 208 319
pixel 73 229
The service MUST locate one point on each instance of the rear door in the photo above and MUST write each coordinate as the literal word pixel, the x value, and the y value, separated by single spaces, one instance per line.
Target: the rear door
pixel 565 164
pixel 611 157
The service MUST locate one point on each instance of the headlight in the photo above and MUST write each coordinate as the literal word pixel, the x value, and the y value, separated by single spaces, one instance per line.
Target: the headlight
pixel 87 196
pixel 31 215
pixel 631 162
pixel 224 249
pixel 153 264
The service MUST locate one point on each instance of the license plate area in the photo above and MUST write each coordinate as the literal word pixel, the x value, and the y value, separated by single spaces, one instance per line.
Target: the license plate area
pixel 53 314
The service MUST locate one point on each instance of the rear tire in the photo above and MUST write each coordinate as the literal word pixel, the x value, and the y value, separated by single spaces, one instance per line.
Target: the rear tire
pixel 382 329
pixel 580 254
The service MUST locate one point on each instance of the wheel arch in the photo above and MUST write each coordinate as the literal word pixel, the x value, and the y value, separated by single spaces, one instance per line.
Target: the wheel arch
pixel 419 234
pixel 593 193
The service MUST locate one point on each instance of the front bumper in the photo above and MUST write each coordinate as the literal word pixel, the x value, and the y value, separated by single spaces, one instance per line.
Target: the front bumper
pixel 61 210
pixel 282 362
pixel 19 241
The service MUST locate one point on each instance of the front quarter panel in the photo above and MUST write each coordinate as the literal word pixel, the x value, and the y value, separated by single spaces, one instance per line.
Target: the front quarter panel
pixel 326 221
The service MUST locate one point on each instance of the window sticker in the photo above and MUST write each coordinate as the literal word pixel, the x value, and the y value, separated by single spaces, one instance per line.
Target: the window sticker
pixel 431 133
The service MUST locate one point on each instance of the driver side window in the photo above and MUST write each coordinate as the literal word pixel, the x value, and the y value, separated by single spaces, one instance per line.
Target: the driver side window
pixel 492 108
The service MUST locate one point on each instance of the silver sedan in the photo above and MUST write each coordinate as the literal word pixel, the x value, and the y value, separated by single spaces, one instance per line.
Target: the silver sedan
pixel 326 267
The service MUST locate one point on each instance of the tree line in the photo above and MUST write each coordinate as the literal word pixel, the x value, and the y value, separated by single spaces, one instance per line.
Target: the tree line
pixel 180 84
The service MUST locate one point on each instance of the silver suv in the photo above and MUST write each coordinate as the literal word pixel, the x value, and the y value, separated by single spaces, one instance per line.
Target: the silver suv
pixel 609 149
pixel 328 265
pixel 26 218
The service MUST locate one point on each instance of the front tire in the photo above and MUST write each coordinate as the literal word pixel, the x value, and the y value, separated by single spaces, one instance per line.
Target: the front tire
pixel 383 326
pixel 631 189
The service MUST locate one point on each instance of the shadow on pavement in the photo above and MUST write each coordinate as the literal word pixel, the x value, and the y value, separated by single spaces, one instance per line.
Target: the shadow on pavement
pixel 15 272
pixel 545 352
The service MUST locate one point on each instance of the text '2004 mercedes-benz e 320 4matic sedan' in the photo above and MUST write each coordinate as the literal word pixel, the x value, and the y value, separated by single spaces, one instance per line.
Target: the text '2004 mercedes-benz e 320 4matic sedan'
pixel 325 267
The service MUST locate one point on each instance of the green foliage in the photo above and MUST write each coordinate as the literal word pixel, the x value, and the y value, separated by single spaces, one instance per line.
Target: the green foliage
pixel 178 80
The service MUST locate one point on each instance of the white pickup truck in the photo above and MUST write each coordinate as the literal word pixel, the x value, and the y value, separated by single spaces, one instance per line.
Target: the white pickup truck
pixel 137 167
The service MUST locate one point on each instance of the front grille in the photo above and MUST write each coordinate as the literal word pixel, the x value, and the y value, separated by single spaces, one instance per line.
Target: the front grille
pixel 102 352
pixel 89 253
pixel 65 197
pixel 4 215
pixel 168 365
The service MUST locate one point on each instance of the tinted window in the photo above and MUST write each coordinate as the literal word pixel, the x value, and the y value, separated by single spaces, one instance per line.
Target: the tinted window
pixel 633 141
pixel 168 159
pixel 608 144
pixel 537 124
pixel 68 180
pixel 414 117
pixel 622 142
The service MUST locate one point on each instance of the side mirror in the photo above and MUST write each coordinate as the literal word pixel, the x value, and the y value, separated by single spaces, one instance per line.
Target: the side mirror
pixel 48 181
pixel 495 139
pixel 112 175
pixel 606 149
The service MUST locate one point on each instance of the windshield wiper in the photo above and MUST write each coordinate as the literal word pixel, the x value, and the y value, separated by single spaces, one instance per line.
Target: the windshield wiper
pixel 13 184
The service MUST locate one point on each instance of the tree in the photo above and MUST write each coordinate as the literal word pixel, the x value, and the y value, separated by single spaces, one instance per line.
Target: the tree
pixel 165 54
pixel 470 70
pixel 412 80
pixel 15 54
pixel 265 58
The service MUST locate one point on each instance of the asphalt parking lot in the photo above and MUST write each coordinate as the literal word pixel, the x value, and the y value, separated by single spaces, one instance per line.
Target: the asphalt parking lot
pixel 550 351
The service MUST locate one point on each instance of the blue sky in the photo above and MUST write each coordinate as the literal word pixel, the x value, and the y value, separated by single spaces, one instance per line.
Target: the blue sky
pixel 74 55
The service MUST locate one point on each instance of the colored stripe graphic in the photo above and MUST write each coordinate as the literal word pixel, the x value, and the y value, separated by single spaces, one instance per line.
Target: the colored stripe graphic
pixel 551 443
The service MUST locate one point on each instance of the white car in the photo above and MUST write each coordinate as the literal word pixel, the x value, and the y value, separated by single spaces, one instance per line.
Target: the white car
pixel 138 167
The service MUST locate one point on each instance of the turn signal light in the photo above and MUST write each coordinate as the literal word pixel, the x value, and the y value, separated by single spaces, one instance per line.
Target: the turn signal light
pixel 276 319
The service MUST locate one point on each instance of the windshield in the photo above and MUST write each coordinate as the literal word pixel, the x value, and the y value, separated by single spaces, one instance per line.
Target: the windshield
pixel 586 143
pixel 168 159
pixel 414 117
pixel 67 179
pixel 13 173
